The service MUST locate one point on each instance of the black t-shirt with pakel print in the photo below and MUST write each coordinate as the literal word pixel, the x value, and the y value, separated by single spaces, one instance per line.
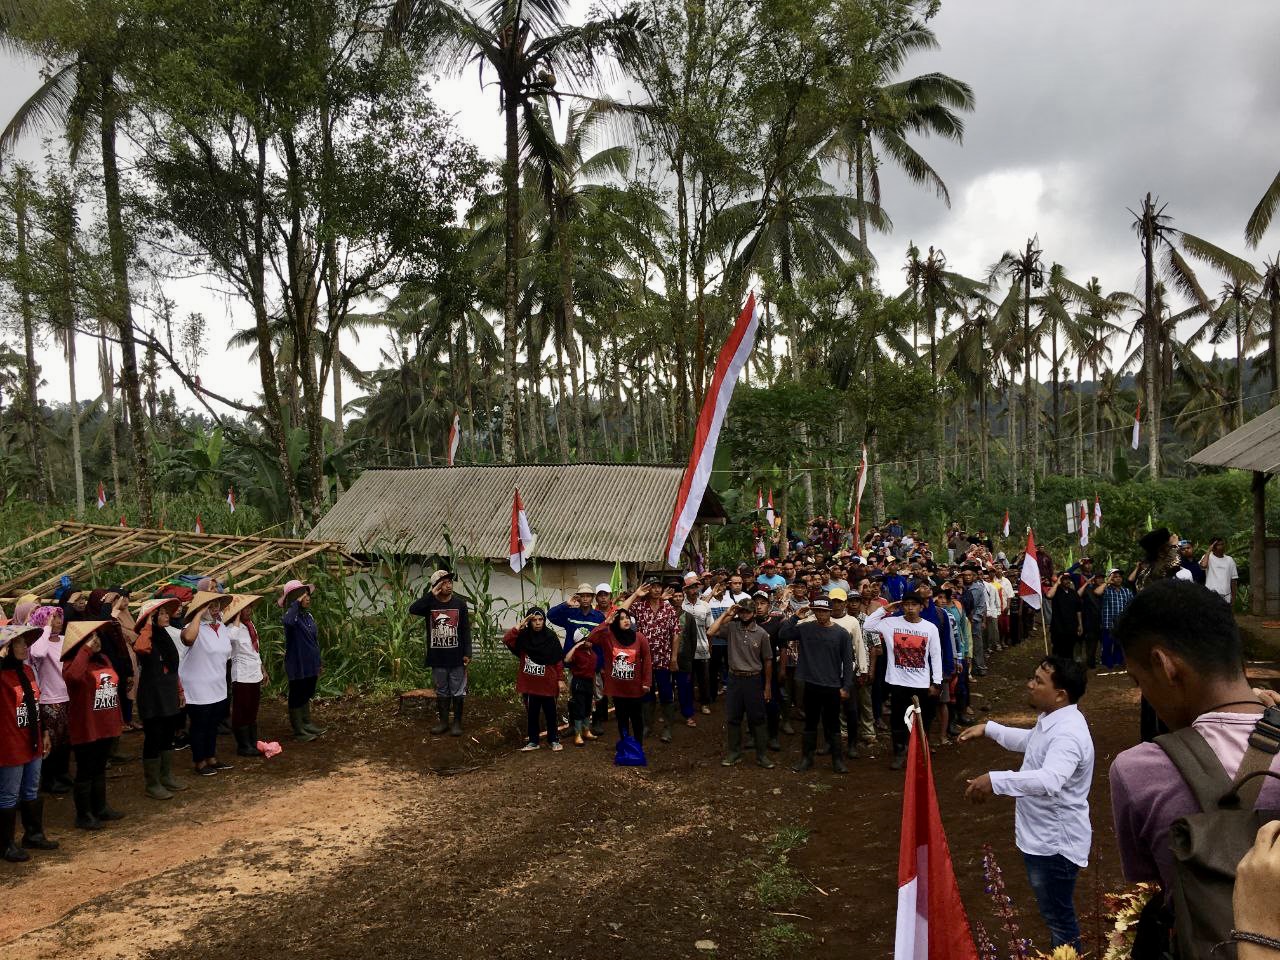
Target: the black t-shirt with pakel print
pixel 448 629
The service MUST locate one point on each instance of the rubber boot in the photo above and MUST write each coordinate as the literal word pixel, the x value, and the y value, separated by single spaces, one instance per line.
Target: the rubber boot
pixel 307 725
pixel 442 710
pixel 8 849
pixel 809 742
pixel 899 758
pixel 824 748
pixel 837 755
pixel 787 728
pixel 33 837
pixel 155 789
pixel 114 757
pixel 455 730
pixel 851 753
pixel 300 732
pixel 761 736
pixel 167 779
pixel 85 818
pixel 668 721
pixel 99 796
pixel 246 742
pixel 733 744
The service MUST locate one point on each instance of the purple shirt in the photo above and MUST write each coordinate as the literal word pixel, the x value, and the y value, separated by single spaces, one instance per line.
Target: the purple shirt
pixel 45 658
pixel 1148 794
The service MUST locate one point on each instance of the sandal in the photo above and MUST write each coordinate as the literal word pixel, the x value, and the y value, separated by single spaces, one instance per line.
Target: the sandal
pixel 690 722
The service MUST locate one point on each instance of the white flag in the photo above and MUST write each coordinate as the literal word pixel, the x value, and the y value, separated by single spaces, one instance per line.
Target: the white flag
pixel 1137 426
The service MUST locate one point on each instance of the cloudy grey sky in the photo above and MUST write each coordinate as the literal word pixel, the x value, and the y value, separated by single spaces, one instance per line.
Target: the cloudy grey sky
pixel 1082 107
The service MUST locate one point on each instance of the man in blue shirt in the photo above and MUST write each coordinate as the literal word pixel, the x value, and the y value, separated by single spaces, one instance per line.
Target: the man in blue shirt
pixel 576 616
pixel 939 618
pixel 769 576
pixel 895 584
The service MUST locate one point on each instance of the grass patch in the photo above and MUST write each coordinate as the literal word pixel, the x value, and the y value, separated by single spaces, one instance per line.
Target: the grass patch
pixel 778 938
pixel 787 839
pixel 779 885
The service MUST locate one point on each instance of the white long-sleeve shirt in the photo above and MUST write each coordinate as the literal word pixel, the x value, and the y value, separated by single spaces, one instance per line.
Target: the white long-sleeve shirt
pixel 1052 787
pixel 914 650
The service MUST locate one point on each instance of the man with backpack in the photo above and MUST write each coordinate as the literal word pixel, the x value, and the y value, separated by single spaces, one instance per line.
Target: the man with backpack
pixel 1189 805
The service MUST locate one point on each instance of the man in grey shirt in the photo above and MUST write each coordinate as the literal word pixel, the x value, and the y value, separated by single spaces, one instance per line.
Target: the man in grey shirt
pixel 974 600
pixel 750 658
pixel 826 669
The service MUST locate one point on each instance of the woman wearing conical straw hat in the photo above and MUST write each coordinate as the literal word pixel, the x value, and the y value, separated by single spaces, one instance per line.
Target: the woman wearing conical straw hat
pixel 301 656
pixel 159 696
pixel 93 689
pixel 204 677
pixel 23 744
pixel 45 657
pixel 247 677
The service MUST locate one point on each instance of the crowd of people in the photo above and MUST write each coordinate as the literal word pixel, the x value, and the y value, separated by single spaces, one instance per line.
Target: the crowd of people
pixel 77 673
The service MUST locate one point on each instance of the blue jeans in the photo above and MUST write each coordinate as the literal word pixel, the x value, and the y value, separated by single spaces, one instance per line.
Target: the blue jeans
pixel 684 692
pixel 1053 881
pixel 663 689
pixel 1112 652
pixel 19 783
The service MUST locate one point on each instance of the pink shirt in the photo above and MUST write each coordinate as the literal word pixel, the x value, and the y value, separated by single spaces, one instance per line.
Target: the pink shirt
pixel 1148 794
pixel 45 658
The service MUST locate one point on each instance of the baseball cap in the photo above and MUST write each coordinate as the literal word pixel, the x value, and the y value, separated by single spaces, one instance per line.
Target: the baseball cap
pixel 821 603
pixel 440 576
pixel 769 563
pixel 746 605
pixel 603 588
pixel 761 595
pixel 837 594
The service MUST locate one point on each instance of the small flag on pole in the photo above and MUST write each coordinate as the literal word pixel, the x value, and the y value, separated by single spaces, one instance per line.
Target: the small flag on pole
pixel 1137 425
pixel 1029 588
pixel 199 525
pixel 1006 524
pixel 522 539
pixel 455 432
pixel 768 513
pixel 231 499
pixel 932 923
pixel 857 501
pixel 102 495
pixel 1084 523
pixel 122 523
pixel 1097 513
pixel 759 499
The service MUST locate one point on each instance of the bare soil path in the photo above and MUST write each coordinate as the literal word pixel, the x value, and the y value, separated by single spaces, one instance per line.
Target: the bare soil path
pixel 381 841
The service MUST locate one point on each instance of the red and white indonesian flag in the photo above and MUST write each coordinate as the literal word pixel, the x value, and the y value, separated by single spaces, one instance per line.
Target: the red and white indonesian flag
pixel 932 923
pixel 1097 513
pixel 122 522
pixel 102 495
pixel 522 538
pixel 1084 523
pixel 1137 426
pixel 857 501
pixel 1029 583
pixel 759 499
pixel 199 525
pixel 1005 528
pixel 231 499
pixel 733 357
pixel 455 432
pixel 768 513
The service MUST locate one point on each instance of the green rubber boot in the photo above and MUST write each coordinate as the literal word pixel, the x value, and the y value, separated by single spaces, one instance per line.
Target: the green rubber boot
pixel 300 732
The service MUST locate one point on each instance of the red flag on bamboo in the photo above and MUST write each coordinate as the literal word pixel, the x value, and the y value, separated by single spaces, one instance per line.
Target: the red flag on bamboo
pixel 522 538
pixel 231 499
pixel 102 495
pixel 199 525
pixel 1005 528
pixel 455 432
pixel 857 501
pixel 1029 586
pixel 1137 425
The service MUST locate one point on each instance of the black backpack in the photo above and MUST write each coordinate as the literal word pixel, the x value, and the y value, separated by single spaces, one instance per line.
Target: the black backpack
pixel 1208 846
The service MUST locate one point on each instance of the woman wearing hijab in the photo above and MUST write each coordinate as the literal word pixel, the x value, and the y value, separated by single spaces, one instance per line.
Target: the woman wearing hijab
pixel 45 657
pixel 541 656
pixel 247 677
pixel 104 605
pixel 301 657
pixel 22 746
pixel 93 688
pixel 159 696
pixel 23 609
pixel 204 678
pixel 628 670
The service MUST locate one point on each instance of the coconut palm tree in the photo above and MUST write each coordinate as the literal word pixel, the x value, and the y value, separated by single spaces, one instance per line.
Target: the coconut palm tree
pixel 1235 315
pixel 1025 271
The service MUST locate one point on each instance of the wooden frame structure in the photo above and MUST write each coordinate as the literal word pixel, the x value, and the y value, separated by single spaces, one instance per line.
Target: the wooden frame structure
pixel 144 558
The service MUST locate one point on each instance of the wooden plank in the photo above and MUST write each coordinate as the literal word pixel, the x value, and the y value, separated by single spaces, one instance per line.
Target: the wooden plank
pixel 180 560
pixel 34 536
pixel 290 562
pixel 101 558
pixel 27 576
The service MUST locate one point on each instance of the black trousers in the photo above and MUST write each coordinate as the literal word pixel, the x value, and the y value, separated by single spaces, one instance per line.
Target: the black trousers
pixel 580 691
pixel 301 691
pixel 91 759
pixel 702 681
pixel 822 703
pixel 899 700
pixel 630 714
pixel 205 718
pixel 157 735
pixel 536 708
pixel 719 668
pixel 744 696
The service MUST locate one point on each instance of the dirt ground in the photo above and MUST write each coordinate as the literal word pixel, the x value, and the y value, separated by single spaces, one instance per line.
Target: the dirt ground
pixel 380 840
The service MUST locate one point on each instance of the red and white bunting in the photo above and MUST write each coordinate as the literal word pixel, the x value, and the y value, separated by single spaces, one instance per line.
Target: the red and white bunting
pixel 1137 426
pixel 231 499
pixel 768 513
pixel 932 923
pixel 522 538
pixel 733 357
pixel 102 495
pixel 455 433
pixel 1029 587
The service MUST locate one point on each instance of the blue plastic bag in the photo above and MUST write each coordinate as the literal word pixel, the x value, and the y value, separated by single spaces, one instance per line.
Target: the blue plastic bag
pixel 629 753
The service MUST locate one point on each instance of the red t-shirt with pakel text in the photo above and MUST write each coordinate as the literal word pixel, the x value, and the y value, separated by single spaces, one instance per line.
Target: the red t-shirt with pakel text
pixel 93 689
pixel 16 720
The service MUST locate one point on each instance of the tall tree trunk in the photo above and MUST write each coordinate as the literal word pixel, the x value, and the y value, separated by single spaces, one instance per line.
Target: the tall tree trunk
pixel 122 305
pixel 563 407
pixel 1055 455
pixel 338 429
pixel 511 273
pixel 77 456
pixel 1273 299
pixel 66 228
pixel 31 398
pixel 1239 371
pixel 107 373
pixel 1079 419
pixel 1032 423
pixel 574 410
pixel 1150 341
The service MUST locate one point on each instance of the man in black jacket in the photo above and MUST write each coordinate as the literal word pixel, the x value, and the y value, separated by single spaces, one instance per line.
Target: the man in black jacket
pixel 448 647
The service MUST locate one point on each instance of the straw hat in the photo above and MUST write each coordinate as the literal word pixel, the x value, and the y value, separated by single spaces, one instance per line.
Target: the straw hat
pixel 11 632
pixel 77 632
pixel 149 607
pixel 292 587
pixel 240 602
pixel 203 599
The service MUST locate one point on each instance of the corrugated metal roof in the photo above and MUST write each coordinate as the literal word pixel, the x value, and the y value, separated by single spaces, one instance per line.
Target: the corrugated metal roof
pixel 1254 446
pixel 580 511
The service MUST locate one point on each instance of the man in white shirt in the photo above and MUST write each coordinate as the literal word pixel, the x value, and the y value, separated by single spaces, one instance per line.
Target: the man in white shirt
pixel 913 666
pixel 1220 573
pixel 1051 816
